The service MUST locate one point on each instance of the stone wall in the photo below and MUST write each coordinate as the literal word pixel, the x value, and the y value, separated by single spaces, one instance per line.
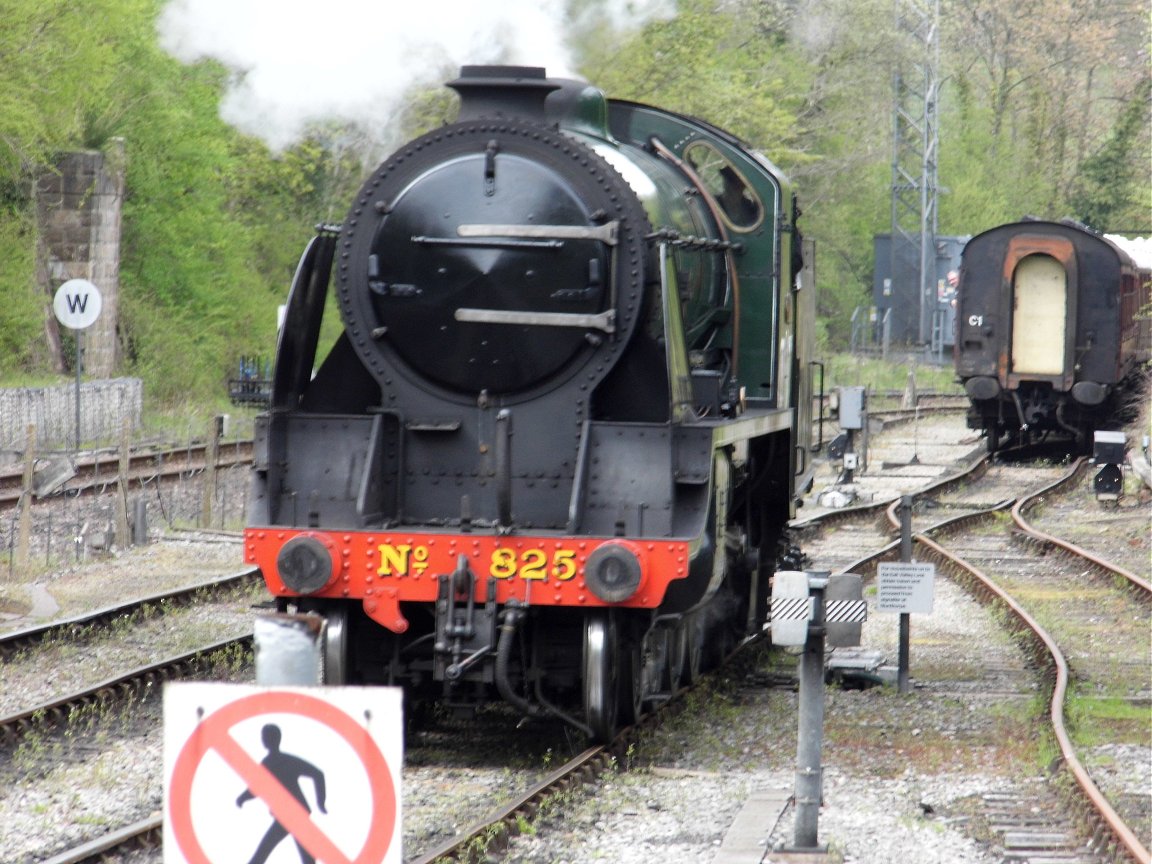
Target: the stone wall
pixel 78 210
pixel 104 405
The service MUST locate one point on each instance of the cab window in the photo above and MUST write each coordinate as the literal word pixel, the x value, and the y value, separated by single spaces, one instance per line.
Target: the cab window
pixel 738 203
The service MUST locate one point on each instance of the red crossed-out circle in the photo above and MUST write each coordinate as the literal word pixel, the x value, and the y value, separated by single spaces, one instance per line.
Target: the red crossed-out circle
pixel 213 734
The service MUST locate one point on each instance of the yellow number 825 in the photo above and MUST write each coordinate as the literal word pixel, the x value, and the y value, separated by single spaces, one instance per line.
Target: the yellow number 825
pixel 533 564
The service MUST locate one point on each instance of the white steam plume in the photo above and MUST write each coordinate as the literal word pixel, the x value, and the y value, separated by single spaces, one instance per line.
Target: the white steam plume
pixel 353 60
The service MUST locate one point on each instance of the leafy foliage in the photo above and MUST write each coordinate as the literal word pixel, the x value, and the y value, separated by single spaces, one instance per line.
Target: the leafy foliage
pixel 56 69
pixel 22 312
pixel 1044 110
pixel 1111 191
pixel 192 290
pixel 1030 94
pixel 728 66
pixel 1039 91
pixel 212 222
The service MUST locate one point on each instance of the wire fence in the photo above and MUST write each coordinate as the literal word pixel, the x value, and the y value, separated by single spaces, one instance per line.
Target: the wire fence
pixel 79 520
pixel 66 414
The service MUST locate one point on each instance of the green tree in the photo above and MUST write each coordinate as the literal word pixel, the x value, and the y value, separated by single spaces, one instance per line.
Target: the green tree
pixel 846 127
pixel 1112 192
pixel 212 222
pixel 1037 87
pixel 725 62
pixel 23 310
pixel 205 257
pixel 56 73
pixel 1044 110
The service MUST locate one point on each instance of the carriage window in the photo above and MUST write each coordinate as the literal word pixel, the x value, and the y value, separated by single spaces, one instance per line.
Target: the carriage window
pixel 739 204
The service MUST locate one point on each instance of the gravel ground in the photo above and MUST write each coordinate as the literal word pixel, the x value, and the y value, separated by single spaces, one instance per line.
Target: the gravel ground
pixel 100 785
pixel 903 774
pixel 171 561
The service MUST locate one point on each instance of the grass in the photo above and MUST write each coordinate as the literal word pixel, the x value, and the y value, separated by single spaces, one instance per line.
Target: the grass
pixel 877 730
pixel 992 524
pixel 1097 720
pixel 194 422
pixel 34 379
pixel 852 370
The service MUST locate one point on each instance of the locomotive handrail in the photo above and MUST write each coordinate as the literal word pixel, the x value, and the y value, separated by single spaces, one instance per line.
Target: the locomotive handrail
pixel 726 245
pixel 489 242
pixel 607 233
pixel 605 320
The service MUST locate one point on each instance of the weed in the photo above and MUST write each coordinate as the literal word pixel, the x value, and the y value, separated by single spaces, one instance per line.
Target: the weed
pixel 524 826
pixel 1096 720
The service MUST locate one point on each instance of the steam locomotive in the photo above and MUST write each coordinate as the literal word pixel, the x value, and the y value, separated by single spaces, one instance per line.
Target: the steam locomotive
pixel 1051 338
pixel 550 457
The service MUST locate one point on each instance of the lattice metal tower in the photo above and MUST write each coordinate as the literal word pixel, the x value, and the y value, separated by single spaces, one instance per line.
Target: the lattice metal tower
pixel 916 89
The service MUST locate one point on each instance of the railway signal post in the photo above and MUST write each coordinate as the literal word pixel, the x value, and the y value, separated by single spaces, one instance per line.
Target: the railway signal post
pixel 1108 453
pixel 801 616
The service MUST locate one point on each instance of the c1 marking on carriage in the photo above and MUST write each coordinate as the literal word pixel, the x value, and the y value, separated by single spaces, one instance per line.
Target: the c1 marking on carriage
pixel 227 744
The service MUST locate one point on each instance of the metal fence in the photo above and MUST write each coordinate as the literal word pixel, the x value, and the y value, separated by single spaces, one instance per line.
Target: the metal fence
pixel 78 520
pixel 66 414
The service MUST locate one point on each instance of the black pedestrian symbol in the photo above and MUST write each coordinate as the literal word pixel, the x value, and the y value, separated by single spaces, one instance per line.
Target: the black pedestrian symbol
pixel 288 769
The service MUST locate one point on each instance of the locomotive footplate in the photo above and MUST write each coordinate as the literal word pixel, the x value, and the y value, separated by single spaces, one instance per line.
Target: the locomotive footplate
pixel 465 631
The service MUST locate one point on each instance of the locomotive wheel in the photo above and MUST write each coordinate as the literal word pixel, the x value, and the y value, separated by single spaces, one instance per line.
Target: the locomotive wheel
pixel 637 670
pixel 601 675
pixel 336 645
pixel 649 660
pixel 675 669
pixel 694 635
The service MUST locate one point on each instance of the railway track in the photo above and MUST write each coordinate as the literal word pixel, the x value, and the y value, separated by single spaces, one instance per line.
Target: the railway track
pixel 1003 814
pixel 114 692
pixel 489 836
pixel 496 788
pixel 1055 608
pixel 41 735
pixel 1059 617
pixel 471 833
pixel 83 691
pixel 98 472
pixel 87 623
pixel 102 723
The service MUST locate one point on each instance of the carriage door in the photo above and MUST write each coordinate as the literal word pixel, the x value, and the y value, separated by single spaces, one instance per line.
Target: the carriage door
pixel 1039 316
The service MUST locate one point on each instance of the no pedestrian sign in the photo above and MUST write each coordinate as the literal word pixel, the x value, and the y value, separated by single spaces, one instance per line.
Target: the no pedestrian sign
pixel 281 774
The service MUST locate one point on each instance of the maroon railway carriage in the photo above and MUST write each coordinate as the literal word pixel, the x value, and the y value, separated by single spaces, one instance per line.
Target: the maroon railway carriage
pixel 1050 336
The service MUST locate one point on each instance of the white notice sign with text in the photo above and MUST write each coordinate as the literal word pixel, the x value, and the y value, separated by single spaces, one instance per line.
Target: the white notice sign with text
pixel 905 587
